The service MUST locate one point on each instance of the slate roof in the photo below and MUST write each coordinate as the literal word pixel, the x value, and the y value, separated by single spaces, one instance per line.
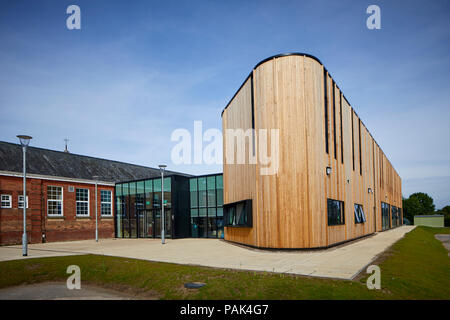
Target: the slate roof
pixel 69 165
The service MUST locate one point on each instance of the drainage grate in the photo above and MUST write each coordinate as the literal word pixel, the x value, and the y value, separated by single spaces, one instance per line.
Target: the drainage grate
pixel 194 285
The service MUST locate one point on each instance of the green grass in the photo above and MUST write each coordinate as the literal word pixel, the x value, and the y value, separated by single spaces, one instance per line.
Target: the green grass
pixel 416 267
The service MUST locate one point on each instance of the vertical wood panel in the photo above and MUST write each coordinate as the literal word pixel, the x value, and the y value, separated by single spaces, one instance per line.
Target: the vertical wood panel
pixel 290 207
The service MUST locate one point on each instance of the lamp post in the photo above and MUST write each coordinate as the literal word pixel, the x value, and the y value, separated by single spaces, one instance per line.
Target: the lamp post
pixel 24 141
pixel 162 167
pixel 96 205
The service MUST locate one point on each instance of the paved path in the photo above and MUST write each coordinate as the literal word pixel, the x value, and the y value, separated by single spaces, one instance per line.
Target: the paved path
pixel 342 262
pixel 59 291
pixel 445 239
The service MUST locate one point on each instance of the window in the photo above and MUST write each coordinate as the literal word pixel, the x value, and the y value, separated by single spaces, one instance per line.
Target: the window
pixel 396 216
pixel 211 187
pixel 360 149
pixel 325 92
pixel 353 144
pixel 20 202
pixel 139 204
pixel 335 211
pixel 82 199
pixel 106 202
pixel 360 217
pixel 238 214
pixel 253 116
pixel 193 192
pixel 385 215
pixel 342 136
pixel 202 197
pixel 54 201
pixel 334 121
pixel 6 201
pixel 206 200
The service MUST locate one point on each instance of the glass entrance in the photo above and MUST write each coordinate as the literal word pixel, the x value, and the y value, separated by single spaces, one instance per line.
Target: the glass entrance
pixel 167 223
pixel 149 224
pixel 145 224
pixel 157 224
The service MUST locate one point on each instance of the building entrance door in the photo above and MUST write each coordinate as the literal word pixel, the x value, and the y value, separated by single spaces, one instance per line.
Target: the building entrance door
pixel 149 224
pixel 168 223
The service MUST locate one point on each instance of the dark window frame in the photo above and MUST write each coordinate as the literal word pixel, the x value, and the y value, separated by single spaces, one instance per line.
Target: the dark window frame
pixel 342 137
pixel 353 142
pixel 334 120
pixel 213 187
pixel 385 208
pixel 341 208
pixel 325 86
pixel 360 149
pixel 360 216
pixel 232 219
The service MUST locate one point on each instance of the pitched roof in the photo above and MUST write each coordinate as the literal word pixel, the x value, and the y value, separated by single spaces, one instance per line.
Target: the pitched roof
pixel 69 165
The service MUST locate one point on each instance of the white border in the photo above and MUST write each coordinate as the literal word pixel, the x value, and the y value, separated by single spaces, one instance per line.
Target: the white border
pixel 18 201
pixel 88 202
pixel 62 202
pixel 10 201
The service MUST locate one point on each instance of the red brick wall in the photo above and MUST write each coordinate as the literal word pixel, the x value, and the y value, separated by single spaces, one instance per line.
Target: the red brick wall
pixel 65 228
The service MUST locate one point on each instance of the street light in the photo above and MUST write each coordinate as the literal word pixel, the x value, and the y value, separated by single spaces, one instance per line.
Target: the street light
pixel 162 167
pixel 96 204
pixel 24 141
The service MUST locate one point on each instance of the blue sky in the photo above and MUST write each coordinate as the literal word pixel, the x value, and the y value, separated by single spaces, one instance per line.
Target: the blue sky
pixel 137 70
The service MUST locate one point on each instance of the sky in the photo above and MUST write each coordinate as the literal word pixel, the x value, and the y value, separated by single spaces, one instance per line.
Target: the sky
pixel 137 70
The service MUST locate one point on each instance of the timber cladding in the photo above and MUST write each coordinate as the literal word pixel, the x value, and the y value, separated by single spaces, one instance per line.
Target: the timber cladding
pixel 318 128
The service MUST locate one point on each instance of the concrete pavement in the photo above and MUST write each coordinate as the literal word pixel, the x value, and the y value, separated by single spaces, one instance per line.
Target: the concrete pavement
pixel 445 239
pixel 59 291
pixel 343 262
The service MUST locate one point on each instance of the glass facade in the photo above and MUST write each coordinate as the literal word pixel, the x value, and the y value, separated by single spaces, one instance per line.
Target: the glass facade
pixel 385 216
pixel 206 206
pixel 138 208
pixel 193 207
pixel 396 217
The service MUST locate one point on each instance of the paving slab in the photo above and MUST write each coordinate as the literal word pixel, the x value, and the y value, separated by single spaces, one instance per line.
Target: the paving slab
pixel 342 262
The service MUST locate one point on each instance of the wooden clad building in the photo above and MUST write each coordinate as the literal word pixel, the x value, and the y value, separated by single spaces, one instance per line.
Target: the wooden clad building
pixel 333 182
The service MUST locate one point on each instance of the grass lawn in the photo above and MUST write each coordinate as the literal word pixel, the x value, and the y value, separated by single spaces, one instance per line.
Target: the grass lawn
pixel 416 267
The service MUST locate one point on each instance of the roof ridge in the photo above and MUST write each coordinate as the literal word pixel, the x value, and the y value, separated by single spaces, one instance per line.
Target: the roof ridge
pixel 84 156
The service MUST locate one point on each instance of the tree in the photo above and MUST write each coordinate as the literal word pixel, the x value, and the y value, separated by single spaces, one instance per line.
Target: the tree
pixel 411 207
pixel 418 203
pixel 445 211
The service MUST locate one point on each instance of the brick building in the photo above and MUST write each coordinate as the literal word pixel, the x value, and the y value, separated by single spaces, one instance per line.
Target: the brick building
pixel 60 194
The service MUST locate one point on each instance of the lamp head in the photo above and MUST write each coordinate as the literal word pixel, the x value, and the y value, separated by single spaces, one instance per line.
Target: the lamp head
pixel 24 140
pixel 162 167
